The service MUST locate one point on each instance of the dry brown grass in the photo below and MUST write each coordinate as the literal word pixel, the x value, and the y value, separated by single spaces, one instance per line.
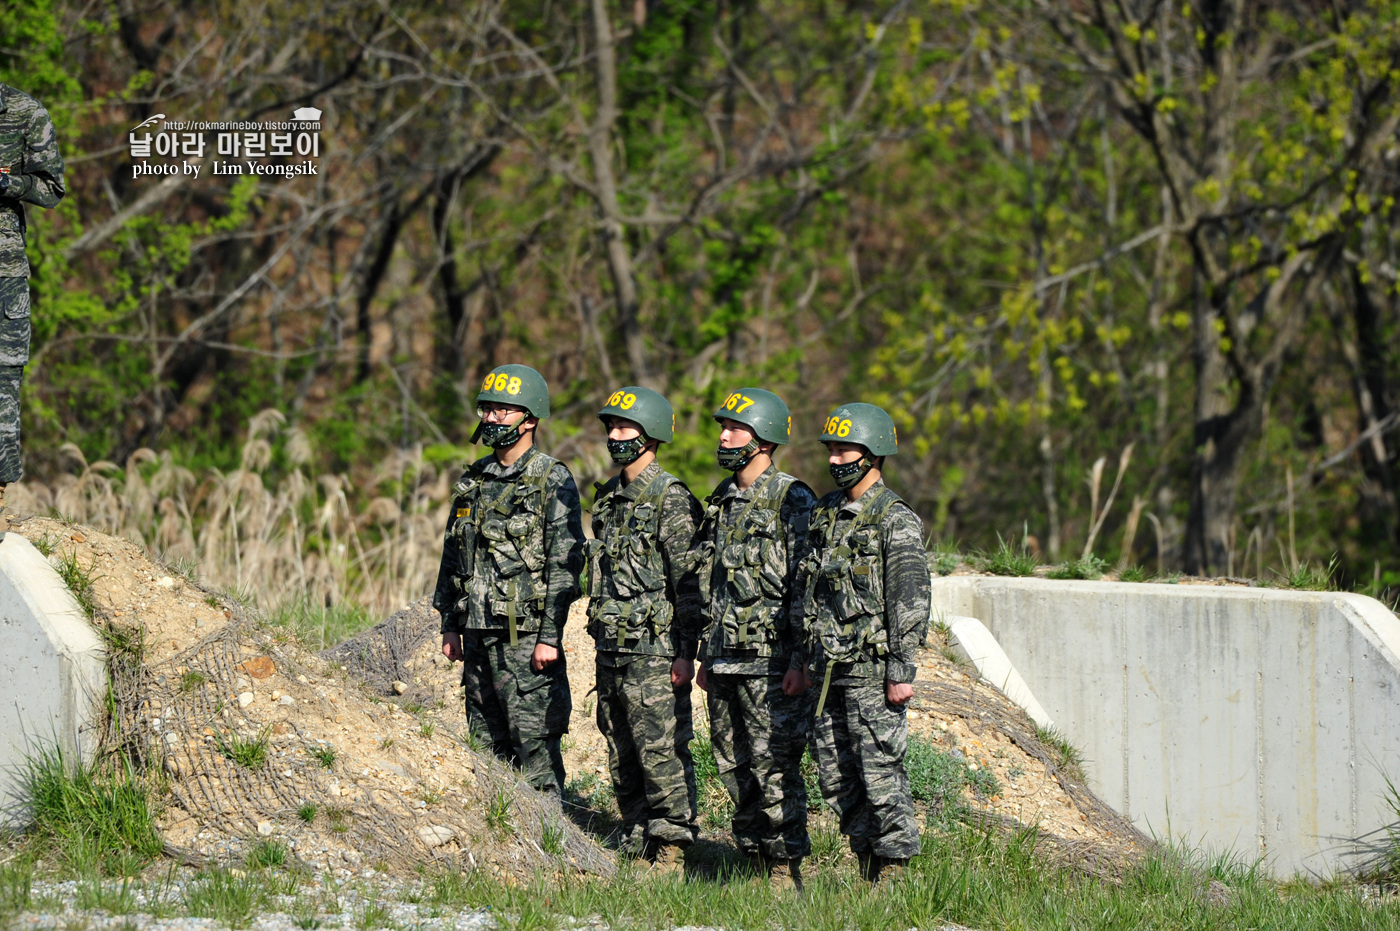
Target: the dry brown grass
pixel 309 540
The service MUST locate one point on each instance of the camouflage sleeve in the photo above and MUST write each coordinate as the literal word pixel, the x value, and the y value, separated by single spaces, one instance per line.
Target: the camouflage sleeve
pixel 908 591
pixel 680 522
pixel 42 171
pixel 796 517
pixel 445 593
pixel 563 553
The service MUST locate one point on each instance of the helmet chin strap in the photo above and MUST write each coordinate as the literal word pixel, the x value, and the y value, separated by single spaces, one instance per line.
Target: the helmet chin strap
pixel 847 474
pixel 626 452
pixel 734 458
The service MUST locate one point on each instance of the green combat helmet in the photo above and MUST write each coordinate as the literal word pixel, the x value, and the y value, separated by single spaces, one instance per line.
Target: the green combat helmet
pixel 519 385
pixel 764 413
pixel 511 384
pixel 649 410
pixel 860 425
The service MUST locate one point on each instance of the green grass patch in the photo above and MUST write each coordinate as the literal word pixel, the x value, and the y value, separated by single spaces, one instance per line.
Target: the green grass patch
pixel 937 778
pixel 92 817
pixel 1007 560
pixel 79 579
pixel 944 558
pixel 16 888
pixel 227 897
pixel 307 812
pixel 1087 569
pixel 318 626
pixel 266 854
pixel 323 754
pixel 1066 756
pixel 1309 578
pixel 249 752
pixel 715 808
pixel 192 679
pixel 1135 574
pixel 965 876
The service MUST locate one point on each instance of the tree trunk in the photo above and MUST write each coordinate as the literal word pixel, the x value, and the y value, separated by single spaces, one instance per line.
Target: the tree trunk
pixel 614 234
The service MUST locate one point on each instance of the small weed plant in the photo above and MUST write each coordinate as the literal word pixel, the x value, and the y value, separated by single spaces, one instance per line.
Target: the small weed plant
pixel 1308 578
pixel 323 754
pixel 79 579
pixel 552 838
pixel 1008 560
pixel 498 812
pixel 226 896
pixel 1088 568
pixel 307 812
pixel 267 854
pixel 248 752
pixel 937 778
pixel 1135 574
pixel 1066 756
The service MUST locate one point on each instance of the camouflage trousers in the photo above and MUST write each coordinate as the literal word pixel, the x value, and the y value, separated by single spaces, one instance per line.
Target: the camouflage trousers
pixel 647 724
pixel 14 353
pixel 859 744
pixel 758 734
pixel 523 712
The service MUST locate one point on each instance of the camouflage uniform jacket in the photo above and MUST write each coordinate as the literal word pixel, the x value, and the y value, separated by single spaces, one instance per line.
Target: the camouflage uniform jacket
pixel 753 540
pixel 29 150
pixel 513 549
pixel 644 594
pixel 866 586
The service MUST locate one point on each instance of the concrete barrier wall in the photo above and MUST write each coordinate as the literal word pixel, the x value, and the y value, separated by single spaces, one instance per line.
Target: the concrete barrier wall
pixel 1259 721
pixel 53 675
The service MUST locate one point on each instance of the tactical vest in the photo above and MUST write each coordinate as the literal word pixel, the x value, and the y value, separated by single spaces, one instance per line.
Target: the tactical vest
pixel 628 611
pixel 748 571
pixel 845 604
pixel 499 526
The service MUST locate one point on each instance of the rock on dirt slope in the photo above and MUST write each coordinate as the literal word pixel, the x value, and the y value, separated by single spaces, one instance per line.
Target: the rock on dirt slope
pixel 260 738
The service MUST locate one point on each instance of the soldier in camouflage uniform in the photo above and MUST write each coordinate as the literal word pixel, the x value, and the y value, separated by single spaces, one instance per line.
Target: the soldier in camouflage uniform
pixel 31 171
pixel 751 656
pixel 866 607
pixel 644 614
pixel 511 560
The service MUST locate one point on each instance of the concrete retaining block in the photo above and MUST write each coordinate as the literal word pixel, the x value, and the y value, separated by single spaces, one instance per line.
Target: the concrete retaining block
pixel 53 673
pixel 1258 721
pixel 974 642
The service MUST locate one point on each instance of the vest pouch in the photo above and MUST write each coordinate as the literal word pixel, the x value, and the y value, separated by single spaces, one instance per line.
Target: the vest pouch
pixel 646 569
pixel 525 536
pixel 743 586
pixel 767 559
pixel 504 553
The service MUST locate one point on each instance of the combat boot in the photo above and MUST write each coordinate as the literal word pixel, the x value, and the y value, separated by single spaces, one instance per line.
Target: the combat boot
pixel 786 875
pixel 891 869
pixel 668 858
pixel 869 865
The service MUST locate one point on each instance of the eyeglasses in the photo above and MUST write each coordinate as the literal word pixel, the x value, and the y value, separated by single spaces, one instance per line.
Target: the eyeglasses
pixel 498 413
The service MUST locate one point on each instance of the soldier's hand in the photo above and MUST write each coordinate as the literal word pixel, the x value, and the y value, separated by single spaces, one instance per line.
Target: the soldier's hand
pixel 702 678
pixel 897 693
pixel 794 682
pixel 452 646
pixel 682 671
pixel 7 182
pixel 544 656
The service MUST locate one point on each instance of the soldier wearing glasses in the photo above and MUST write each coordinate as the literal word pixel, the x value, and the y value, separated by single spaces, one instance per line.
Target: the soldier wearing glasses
pixel 511 560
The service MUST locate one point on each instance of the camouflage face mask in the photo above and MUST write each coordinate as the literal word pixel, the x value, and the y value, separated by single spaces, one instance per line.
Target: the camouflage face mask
pixel 850 473
pixel 500 435
pixel 624 452
pixel 735 458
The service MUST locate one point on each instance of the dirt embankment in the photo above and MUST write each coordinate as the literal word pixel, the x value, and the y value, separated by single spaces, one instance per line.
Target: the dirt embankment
pixel 260 738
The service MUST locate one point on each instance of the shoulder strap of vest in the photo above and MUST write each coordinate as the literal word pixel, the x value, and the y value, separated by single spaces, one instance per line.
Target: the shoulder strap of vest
pixel 654 492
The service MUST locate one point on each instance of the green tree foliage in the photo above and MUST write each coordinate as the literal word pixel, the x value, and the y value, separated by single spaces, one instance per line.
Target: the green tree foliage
pixel 1037 232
